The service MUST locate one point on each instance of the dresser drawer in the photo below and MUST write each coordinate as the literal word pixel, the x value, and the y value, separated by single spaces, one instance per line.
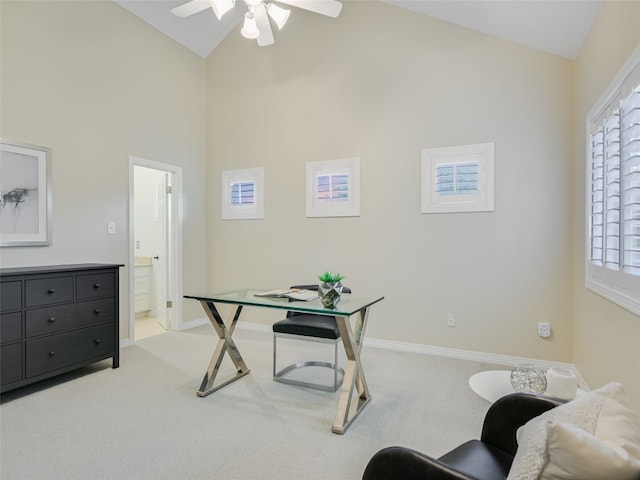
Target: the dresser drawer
pixel 10 296
pixel 42 321
pixel 65 349
pixel 95 285
pixel 11 363
pixel 55 318
pixel 46 291
pixel 10 327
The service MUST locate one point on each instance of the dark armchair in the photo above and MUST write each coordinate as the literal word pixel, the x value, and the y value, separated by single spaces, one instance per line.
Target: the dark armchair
pixel 486 459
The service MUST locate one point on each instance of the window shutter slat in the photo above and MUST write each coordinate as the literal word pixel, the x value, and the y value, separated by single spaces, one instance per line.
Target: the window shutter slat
pixel 630 173
pixel 612 190
pixel 597 196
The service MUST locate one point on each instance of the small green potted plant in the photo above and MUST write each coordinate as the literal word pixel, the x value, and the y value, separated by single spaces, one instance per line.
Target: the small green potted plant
pixel 330 288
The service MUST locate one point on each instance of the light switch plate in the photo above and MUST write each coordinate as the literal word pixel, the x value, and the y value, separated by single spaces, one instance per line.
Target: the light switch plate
pixel 111 228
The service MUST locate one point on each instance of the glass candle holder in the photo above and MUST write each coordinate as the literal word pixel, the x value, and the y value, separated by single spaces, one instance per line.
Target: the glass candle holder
pixel 527 378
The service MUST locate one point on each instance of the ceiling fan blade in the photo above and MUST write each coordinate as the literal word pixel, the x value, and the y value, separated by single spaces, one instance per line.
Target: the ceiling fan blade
pixel 266 34
pixel 330 8
pixel 189 8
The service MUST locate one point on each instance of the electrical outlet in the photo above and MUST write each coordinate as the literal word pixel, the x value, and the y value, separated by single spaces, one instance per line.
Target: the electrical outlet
pixel 544 329
pixel 451 320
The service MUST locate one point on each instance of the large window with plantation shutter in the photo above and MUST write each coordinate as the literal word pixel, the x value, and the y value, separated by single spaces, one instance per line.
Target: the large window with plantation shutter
pixel 613 190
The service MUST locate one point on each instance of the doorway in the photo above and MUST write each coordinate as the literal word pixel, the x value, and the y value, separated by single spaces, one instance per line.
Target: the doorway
pixel 155 236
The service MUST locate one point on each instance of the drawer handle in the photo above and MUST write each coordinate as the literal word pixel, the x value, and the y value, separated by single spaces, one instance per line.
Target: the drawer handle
pixel 97 311
pixel 51 319
pixel 96 286
pixel 97 341
pixel 51 291
pixel 52 354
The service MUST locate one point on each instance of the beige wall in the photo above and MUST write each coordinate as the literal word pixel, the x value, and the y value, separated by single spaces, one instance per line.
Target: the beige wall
pixel 382 83
pixel 96 84
pixel 606 337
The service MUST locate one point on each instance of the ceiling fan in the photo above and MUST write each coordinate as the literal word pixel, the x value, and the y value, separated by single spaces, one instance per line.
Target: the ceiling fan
pixel 256 20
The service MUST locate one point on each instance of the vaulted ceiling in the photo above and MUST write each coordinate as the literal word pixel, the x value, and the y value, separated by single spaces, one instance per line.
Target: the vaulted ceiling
pixel 555 26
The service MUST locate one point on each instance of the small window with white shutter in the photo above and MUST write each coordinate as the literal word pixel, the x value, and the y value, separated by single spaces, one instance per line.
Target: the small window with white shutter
pixel 243 194
pixel 613 190
pixel 458 179
pixel 333 188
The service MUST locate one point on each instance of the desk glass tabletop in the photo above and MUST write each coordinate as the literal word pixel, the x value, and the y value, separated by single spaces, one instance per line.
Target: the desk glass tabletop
pixel 347 306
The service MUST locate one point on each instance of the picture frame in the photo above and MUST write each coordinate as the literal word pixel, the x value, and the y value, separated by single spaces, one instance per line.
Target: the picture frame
pixel 25 195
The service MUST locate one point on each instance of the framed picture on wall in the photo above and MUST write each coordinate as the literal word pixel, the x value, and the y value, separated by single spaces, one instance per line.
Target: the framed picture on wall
pixel 25 194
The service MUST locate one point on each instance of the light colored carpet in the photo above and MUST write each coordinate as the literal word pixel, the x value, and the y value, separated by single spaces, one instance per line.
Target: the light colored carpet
pixel 145 421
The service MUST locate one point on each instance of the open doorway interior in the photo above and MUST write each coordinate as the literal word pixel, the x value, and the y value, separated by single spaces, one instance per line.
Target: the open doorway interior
pixel 152 227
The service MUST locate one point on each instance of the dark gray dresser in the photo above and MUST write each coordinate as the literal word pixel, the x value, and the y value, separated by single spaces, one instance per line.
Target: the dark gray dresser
pixel 54 319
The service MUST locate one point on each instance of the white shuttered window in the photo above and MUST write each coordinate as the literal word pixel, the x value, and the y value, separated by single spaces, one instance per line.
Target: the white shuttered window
pixel 613 200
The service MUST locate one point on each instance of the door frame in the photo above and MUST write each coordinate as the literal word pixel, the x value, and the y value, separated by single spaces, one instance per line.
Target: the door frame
pixel 174 252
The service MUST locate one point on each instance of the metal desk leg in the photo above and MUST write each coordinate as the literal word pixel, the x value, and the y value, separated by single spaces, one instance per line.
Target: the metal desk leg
pixel 348 409
pixel 225 345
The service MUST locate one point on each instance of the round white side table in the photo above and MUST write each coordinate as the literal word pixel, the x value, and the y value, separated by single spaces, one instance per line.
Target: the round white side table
pixel 493 384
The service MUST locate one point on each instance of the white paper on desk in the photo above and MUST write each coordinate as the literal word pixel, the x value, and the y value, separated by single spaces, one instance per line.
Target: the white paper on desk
pixel 292 293
pixel 304 295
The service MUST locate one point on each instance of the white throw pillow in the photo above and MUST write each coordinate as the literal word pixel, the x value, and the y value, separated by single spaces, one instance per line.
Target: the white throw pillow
pixel 573 453
pixel 617 422
pixel 605 413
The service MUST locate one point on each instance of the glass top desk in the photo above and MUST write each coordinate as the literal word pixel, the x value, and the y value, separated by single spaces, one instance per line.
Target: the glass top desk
pixel 349 406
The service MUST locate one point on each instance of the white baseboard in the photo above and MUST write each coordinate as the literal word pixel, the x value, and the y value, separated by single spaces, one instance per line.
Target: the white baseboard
pixel 492 358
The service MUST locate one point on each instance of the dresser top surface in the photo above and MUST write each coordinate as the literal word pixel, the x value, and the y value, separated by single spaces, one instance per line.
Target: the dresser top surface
pixel 72 267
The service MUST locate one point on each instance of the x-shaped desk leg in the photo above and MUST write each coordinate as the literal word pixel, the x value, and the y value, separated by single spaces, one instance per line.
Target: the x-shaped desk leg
pixel 225 345
pixel 348 410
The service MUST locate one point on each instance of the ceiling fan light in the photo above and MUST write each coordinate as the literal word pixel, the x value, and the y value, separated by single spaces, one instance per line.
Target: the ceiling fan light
pixel 220 7
pixel 278 14
pixel 250 27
